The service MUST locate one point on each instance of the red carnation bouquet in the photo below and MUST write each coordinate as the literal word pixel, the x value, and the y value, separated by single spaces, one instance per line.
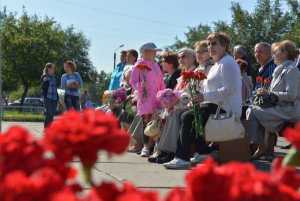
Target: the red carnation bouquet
pixel 263 82
pixel 193 79
pixel 143 70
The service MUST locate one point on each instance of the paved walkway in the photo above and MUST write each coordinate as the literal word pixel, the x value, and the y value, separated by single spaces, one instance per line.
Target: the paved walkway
pixel 131 167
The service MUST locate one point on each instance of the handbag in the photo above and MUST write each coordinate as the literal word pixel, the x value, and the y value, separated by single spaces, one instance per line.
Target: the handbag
pixel 266 100
pixel 223 127
pixel 153 129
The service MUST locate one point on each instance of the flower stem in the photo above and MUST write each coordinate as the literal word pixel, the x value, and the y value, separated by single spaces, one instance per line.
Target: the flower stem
pixel 87 174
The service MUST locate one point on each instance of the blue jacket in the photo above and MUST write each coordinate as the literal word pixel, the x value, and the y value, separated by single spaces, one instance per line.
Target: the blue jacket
pixel 116 77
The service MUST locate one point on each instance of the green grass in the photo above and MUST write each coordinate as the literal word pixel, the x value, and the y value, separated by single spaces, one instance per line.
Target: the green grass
pixel 22 116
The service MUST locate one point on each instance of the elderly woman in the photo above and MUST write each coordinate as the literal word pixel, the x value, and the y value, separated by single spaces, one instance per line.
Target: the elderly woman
pixel 187 61
pixel 240 52
pixel 167 144
pixel 222 87
pixel 283 98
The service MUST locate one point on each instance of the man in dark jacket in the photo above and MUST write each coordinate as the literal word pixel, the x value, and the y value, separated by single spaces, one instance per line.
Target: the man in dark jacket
pixel 263 55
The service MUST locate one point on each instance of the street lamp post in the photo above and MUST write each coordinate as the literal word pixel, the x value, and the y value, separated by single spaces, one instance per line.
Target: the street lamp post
pixel 115 54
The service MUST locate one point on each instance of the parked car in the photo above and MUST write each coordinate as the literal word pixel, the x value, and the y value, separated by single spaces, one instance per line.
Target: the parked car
pixel 31 104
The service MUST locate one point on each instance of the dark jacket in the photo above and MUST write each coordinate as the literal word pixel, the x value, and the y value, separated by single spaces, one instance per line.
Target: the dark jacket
pixel 171 81
pixel 45 84
pixel 266 71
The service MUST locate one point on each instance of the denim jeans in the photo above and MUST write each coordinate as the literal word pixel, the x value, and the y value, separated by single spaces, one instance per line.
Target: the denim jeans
pixel 72 102
pixel 50 106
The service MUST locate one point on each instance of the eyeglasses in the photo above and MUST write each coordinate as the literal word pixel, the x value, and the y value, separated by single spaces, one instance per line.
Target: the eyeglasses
pixel 182 57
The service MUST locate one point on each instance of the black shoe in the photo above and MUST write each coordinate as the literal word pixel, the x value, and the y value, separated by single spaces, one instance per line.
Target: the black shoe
pixel 152 159
pixel 165 158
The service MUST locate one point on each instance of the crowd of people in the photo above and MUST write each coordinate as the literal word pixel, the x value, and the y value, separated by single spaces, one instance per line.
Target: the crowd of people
pixel 159 98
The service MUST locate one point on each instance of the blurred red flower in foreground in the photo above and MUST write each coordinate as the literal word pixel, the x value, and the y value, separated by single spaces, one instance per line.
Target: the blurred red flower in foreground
pixel 26 174
pixel 293 135
pixel 83 134
pixel 238 182
pixel 19 151
pixel 40 186
pixel 110 192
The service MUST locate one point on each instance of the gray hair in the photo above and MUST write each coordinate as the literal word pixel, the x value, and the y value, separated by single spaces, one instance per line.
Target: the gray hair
pixel 240 49
pixel 265 45
pixel 187 51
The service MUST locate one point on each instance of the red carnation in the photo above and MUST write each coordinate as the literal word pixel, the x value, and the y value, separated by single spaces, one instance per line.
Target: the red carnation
pixel 293 135
pixel 259 79
pixel 83 135
pixel 143 67
pixel 237 182
pixel 267 81
pixel 187 75
pixel 19 151
pixel 202 182
pixel 65 195
pixel 285 174
pixel 177 194
pixel 17 186
pixel 110 192
pixel 199 75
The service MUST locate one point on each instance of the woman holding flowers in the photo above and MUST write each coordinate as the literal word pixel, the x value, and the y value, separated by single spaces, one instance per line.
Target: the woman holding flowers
pixel 167 144
pixel 187 61
pixel 283 97
pixel 222 87
pixel 170 133
pixel 147 80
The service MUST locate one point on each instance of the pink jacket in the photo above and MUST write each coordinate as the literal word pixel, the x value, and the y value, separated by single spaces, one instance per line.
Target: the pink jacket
pixel 147 83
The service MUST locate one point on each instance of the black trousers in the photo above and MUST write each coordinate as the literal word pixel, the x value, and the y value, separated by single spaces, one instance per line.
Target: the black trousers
pixel 72 102
pixel 188 134
pixel 50 106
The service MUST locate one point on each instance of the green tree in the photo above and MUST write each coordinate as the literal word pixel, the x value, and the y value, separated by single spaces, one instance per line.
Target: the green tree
pixel 266 23
pixel 194 34
pixel 29 42
pixel 294 34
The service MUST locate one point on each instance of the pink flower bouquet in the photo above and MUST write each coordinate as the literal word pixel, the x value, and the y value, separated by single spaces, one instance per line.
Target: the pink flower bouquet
pixel 119 95
pixel 168 98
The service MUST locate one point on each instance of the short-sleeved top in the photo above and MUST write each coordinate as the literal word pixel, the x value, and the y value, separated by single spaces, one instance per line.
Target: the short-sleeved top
pixel 69 78
pixel 116 77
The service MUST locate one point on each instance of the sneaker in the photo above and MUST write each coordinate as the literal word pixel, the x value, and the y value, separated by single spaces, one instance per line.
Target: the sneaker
pixel 198 158
pixel 145 152
pixel 165 158
pixel 177 164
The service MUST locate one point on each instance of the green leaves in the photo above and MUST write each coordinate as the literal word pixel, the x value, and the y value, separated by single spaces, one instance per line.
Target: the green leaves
pixel 268 22
pixel 28 42
pixel 292 158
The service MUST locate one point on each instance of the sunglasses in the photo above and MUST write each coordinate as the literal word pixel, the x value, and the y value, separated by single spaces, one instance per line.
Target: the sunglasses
pixel 201 51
